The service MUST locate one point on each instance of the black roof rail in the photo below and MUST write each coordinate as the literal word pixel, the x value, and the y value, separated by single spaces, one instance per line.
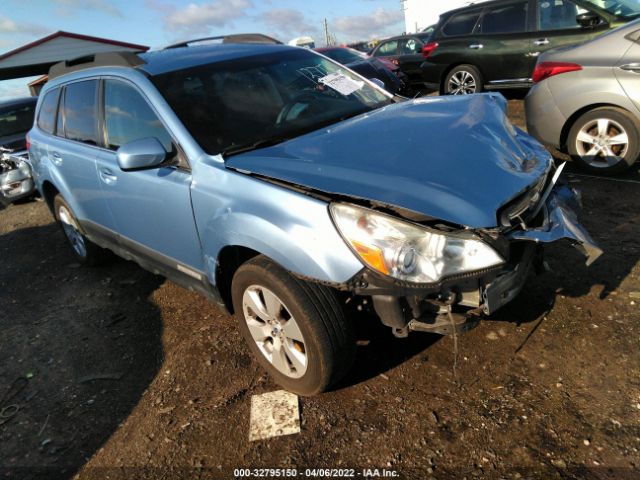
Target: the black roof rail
pixel 257 38
pixel 107 59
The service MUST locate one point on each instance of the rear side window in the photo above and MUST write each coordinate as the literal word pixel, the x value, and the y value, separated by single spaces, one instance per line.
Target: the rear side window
pixel 410 46
pixel 461 24
pixel 389 48
pixel 48 111
pixel 16 120
pixel 80 112
pixel 129 117
pixel 510 18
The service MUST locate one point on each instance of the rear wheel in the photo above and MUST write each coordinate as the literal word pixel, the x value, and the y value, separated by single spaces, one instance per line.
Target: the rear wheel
pixel 605 140
pixel 296 329
pixel 463 80
pixel 85 251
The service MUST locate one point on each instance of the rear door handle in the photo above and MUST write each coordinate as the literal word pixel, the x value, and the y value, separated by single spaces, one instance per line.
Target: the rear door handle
pixel 476 46
pixel 631 67
pixel 541 42
pixel 107 176
pixel 56 158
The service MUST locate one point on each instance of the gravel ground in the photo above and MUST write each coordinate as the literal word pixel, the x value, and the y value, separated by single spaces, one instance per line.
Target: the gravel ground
pixel 130 376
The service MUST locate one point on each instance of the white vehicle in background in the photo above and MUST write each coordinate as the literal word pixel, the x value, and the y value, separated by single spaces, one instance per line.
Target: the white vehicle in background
pixel 304 42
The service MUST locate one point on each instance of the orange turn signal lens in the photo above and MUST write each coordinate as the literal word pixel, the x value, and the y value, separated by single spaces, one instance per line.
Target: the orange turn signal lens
pixel 372 255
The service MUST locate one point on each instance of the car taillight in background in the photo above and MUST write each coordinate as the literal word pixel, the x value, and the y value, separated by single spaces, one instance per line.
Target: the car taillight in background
pixel 28 142
pixel 429 48
pixel 545 70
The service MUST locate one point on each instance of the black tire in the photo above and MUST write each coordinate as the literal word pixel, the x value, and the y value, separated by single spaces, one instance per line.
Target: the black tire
pixel 329 338
pixel 91 255
pixel 468 75
pixel 618 119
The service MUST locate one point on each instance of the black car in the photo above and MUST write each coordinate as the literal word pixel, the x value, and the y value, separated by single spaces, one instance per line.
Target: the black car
pixel 406 52
pixel 16 119
pixel 368 67
pixel 495 45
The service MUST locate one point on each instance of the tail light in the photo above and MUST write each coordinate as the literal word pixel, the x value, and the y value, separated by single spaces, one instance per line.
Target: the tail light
pixel 28 142
pixel 429 48
pixel 546 70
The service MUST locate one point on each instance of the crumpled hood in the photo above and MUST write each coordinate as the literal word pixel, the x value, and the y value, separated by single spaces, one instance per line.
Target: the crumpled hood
pixel 457 159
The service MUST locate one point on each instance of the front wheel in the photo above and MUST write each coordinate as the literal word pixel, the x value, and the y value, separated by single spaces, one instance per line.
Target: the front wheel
pixel 296 329
pixel 605 140
pixel 463 80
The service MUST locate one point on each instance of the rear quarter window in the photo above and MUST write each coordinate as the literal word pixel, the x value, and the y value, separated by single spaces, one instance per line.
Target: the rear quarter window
pixel 48 111
pixel 461 24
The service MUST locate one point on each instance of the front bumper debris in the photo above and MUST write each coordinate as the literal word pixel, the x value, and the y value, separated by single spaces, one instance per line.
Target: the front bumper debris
pixel 457 306
pixel 561 222
pixel 16 181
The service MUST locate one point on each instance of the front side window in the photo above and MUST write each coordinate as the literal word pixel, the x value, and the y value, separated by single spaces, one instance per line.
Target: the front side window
pixel 461 24
pixel 48 111
pixel 510 18
pixel 389 48
pixel 558 14
pixel 129 117
pixel 619 8
pixel 268 98
pixel 80 112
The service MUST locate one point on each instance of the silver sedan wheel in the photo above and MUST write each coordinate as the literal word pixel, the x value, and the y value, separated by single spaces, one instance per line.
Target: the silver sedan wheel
pixel 602 143
pixel 462 83
pixel 72 232
pixel 275 331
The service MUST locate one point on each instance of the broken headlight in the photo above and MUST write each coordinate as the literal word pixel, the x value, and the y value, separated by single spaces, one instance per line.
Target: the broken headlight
pixel 407 251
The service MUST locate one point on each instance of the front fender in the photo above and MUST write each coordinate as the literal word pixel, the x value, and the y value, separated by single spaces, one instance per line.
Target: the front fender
pixel 291 228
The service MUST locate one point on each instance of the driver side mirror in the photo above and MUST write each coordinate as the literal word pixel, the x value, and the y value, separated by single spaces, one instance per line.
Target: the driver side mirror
pixel 142 154
pixel 588 20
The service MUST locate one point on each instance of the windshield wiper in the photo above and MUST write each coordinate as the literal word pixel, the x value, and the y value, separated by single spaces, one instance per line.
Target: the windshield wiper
pixel 268 142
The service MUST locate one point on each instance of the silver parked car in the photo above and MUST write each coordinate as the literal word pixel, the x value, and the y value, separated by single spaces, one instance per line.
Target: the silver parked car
pixel 586 101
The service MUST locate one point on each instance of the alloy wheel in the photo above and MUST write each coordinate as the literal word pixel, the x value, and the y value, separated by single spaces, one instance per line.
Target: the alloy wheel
pixel 72 232
pixel 602 143
pixel 462 83
pixel 275 331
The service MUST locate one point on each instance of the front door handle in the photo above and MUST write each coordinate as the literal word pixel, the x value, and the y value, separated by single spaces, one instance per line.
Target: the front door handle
pixel 476 46
pixel 56 159
pixel 107 176
pixel 541 42
pixel 631 67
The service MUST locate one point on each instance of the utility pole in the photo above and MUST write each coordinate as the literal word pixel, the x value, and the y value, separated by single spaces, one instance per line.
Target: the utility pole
pixel 327 36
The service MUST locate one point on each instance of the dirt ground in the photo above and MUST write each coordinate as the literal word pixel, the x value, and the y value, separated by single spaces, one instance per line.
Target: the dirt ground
pixel 130 376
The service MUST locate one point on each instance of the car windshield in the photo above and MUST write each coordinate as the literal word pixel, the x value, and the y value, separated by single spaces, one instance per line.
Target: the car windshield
pixel 344 55
pixel 250 102
pixel 619 8
pixel 16 119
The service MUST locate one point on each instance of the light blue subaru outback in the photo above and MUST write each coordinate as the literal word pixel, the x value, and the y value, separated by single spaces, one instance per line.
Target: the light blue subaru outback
pixel 284 186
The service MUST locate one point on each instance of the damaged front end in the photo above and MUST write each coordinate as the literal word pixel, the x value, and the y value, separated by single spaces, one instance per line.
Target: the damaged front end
pixel 456 303
pixel 16 181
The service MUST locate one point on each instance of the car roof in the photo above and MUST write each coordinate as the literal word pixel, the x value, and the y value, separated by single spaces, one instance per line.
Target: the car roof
pixel 16 102
pixel 164 61
pixel 406 35
pixel 473 6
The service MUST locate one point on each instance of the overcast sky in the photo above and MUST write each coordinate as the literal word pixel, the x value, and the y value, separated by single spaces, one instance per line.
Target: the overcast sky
pixel 160 22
